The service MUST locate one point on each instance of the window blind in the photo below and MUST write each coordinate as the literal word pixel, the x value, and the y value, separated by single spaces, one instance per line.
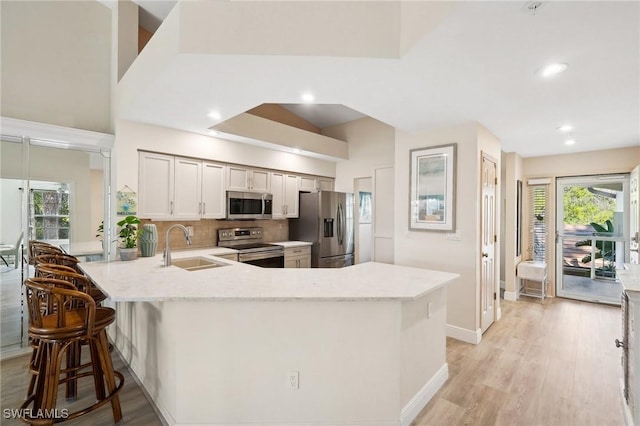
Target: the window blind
pixel 538 222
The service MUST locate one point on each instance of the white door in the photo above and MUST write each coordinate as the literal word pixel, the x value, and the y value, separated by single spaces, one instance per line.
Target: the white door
pixel 634 211
pixel 213 193
pixel 382 216
pixel 488 233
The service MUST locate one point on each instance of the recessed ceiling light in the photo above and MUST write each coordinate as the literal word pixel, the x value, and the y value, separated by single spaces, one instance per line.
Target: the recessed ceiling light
pixel 570 142
pixel 565 128
pixel 307 97
pixel 215 115
pixel 553 69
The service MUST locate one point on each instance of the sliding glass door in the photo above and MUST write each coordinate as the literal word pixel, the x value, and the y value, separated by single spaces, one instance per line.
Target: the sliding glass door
pixel 592 220
pixel 53 192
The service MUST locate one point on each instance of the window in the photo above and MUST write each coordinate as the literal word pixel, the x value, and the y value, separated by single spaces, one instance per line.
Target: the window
pixel 538 220
pixel 49 219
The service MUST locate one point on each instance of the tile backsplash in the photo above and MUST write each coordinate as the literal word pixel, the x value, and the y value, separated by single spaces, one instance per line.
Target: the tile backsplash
pixel 205 232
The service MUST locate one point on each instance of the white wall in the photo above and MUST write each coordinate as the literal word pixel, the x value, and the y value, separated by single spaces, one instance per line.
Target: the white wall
pixel 371 143
pixel 10 210
pixel 432 250
pixel 55 64
pixel 371 151
pixel 131 136
pixel 512 167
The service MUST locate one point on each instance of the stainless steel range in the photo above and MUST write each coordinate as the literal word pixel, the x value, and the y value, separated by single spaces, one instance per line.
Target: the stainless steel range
pixel 251 248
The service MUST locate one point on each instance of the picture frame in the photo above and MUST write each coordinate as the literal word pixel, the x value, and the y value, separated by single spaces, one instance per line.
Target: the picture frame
pixel 432 188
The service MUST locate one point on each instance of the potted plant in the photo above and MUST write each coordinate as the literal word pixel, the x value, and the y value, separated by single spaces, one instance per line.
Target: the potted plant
pixel 128 237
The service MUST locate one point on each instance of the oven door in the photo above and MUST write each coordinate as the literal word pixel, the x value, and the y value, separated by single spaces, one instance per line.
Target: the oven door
pixel 263 259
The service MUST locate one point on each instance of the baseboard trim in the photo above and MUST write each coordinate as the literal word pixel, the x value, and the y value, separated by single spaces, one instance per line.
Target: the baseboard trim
pixel 510 295
pixel 424 395
pixel 463 334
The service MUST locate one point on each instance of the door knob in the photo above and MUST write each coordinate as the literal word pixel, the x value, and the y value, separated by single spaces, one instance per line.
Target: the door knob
pixel 619 344
pixel 485 254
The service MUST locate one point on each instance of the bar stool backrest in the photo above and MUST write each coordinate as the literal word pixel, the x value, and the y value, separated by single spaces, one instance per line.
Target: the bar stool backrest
pixel 58 259
pixel 59 297
pixel 65 273
pixel 37 248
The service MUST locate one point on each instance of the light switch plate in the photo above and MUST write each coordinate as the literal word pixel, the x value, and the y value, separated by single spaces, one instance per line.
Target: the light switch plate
pixel 453 236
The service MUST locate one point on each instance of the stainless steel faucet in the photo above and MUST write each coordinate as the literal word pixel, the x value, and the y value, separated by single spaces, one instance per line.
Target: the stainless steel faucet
pixel 167 250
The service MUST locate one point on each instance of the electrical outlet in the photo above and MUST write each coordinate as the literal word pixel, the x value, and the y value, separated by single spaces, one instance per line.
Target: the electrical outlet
pixel 190 230
pixel 293 380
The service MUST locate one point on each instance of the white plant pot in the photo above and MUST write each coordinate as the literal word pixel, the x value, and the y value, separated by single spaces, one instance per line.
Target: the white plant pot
pixel 128 253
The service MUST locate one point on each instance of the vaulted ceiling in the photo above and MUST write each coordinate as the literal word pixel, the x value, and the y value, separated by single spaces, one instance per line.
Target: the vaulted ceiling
pixel 413 65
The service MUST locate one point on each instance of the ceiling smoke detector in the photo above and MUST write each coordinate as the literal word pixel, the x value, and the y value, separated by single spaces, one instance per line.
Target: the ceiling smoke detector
pixel 532 7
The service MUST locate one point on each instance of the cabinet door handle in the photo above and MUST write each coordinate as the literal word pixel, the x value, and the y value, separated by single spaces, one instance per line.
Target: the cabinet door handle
pixel 200 208
pixel 171 208
pixel 286 209
pixel 204 208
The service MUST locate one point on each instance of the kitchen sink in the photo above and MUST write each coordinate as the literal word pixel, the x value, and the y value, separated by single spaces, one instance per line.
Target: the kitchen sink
pixel 197 263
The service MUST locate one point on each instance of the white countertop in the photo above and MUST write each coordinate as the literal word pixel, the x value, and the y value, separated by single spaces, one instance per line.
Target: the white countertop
pixel 289 244
pixel 630 277
pixel 145 279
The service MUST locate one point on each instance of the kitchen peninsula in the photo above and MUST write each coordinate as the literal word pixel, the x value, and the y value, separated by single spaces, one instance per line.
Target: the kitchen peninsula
pixel 238 344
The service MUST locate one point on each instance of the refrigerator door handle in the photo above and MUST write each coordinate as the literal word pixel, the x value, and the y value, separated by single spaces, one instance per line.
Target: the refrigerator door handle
pixel 340 224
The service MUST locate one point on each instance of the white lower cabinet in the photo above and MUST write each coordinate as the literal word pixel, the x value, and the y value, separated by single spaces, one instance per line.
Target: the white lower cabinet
pixel 297 257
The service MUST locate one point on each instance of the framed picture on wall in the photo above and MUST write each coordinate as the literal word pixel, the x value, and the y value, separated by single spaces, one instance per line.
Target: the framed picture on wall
pixel 432 188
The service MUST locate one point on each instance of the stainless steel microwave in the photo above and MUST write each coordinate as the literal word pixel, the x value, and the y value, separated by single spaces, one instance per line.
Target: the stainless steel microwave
pixel 249 205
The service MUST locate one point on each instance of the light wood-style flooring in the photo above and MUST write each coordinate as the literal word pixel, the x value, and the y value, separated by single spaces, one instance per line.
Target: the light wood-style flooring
pixel 541 364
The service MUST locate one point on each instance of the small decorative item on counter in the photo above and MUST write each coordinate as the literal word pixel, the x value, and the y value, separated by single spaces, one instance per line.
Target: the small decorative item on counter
pixel 149 240
pixel 128 237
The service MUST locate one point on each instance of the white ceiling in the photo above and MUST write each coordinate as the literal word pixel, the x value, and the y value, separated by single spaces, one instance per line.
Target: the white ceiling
pixel 479 64
pixel 324 115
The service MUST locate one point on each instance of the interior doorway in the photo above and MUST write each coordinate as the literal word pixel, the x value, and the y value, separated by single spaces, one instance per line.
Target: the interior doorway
pixel 592 220
pixel 364 237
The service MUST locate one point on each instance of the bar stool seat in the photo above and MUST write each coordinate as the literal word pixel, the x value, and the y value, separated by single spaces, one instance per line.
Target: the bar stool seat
pixel 59 319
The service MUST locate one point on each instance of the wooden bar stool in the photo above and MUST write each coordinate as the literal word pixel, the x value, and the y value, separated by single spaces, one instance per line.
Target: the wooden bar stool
pixel 59 317
pixel 81 283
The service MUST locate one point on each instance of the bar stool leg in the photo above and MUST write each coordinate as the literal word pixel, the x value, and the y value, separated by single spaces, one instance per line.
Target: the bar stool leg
pixel 107 369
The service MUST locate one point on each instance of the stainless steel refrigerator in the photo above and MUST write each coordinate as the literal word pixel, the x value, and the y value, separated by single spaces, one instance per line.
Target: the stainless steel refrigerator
pixel 326 220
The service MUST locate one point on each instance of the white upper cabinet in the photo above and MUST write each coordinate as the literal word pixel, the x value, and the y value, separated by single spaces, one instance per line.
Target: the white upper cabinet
pixel 155 185
pixel 177 188
pixel 244 179
pixel 325 184
pixel 284 188
pixel 291 195
pixel 213 192
pixel 188 189
pixel 313 184
pixel 307 183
